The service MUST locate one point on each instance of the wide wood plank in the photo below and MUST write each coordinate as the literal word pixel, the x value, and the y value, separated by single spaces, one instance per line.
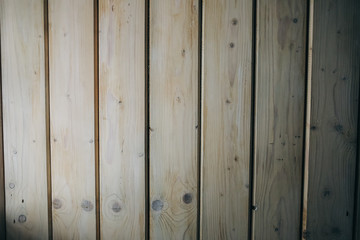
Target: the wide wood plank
pixel 23 96
pixel 334 119
pixel 173 118
pixel 71 66
pixel 279 118
pixel 122 119
pixel 226 111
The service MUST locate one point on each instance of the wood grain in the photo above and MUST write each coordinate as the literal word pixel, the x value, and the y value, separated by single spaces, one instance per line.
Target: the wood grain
pixel 173 119
pixel 227 39
pixel 122 119
pixel 23 96
pixel 279 118
pixel 2 169
pixel 71 66
pixel 334 119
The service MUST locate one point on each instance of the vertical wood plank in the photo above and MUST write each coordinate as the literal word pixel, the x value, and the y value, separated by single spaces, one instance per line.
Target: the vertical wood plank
pixel 71 66
pixel 279 118
pixel 2 169
pixel 173 119
pixel 307 121
pixel 334 119
pixel 227 39
pixel 23 86
pixel 122 119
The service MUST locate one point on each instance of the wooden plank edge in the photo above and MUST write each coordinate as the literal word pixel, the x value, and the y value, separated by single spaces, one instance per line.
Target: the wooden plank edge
pixel 147 117
pixel 252 185
pixel 201 52
pixel 96 117
pixel 47 116
pixel 252 151
pixel 307 121
pixel 2 167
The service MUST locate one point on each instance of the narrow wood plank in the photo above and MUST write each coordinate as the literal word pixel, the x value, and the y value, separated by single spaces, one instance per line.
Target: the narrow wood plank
pixel 23 86
pixel 122 118
pixel 2 170
pixel 71 65
pixel 334 119
pixel 307 121
pixel 226 111
pixel 173 118
pixel 279 118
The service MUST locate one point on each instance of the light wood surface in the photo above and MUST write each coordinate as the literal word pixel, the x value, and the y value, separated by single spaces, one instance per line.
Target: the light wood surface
pixel 2 171
pixel 334 119
pixel 23 96
pixel 122 118
pixel 279 118
pixel 71 66
pixel 173 119
pixel 226 114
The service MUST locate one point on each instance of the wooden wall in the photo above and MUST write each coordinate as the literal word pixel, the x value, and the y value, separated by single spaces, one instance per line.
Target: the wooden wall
pixel 181 119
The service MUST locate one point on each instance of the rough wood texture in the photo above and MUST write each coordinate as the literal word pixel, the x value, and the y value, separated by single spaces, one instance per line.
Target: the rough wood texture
pixel 173 118
pixel 122 119
pixel 279 118
pixel 227 38
pixel 71 56
pixel 23 86
pixel 334 115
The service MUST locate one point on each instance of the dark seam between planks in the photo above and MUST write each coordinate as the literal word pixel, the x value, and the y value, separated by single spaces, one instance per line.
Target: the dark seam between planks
pixel 199 121
pixel 252 122
pixel 47 116
pixel 96 116
pixel 147 117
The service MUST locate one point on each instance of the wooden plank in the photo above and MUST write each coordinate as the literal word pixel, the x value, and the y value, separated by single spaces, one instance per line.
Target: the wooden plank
pixel 279 118
pixel 307 121
pixel 23 96
pixel 226 111
pixel 2 169
pixel 334 119
pixel 71 66
pixel 173 119
pixel 122 119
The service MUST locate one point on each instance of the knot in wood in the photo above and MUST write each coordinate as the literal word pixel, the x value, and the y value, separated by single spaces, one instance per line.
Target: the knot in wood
pixel 22 218
pixel 87 205
pixel 187 198
pixel 116 207
pixel 57 204
pixel 157 205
